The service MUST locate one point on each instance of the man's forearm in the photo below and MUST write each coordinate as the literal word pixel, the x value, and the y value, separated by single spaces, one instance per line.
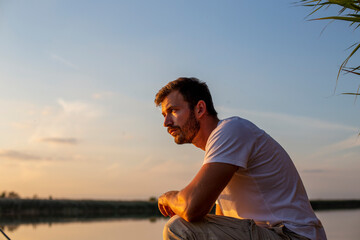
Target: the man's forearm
pixel 197 199
pixel 175 203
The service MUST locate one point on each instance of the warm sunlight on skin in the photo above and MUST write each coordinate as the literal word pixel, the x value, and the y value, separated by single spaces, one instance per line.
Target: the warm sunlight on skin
pixel 176 112
pixel 195 200
pixel 77 93
pixel 174 108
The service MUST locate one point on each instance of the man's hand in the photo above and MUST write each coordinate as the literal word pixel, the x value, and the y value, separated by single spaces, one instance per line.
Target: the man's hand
pixel 197 199
pixel 163 203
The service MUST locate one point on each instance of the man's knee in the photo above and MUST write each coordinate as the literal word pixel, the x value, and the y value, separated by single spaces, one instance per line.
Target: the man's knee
pixel 174 228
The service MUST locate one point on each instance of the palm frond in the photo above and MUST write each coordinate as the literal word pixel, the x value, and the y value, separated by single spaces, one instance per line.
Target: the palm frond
pixel 349 19
pixel 356 94
pixel 347 59
pixel 349 12
pixel 353 70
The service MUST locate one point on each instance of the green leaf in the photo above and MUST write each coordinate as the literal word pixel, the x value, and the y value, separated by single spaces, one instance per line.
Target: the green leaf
pixel 346 60
pixel 351 94
pixel 349 19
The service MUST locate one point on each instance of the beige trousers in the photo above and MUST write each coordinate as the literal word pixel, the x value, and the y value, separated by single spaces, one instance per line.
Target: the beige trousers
pixel 214 227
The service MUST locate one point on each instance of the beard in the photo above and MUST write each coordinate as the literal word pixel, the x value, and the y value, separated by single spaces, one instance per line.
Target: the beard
pixel 187 132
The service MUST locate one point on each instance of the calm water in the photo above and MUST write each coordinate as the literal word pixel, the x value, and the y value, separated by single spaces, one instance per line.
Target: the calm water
pixel 339 225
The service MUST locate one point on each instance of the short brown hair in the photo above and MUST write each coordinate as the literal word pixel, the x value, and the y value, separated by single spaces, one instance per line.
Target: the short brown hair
pixel 192 89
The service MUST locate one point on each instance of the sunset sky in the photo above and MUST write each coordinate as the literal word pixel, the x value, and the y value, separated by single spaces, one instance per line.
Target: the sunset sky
pixel 78 79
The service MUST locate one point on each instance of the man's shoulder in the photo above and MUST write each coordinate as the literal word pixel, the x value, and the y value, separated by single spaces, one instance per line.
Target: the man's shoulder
pixel 235 121
pixel 240 127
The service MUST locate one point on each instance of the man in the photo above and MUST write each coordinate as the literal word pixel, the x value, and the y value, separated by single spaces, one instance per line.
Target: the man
pixel 256 187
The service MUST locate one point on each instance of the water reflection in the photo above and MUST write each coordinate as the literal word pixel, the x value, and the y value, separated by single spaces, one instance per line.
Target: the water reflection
pixel 11 225
pixel 339 224
pixel 89 229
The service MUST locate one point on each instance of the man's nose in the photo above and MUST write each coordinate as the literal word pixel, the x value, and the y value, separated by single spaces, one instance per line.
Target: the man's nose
pixel 168 121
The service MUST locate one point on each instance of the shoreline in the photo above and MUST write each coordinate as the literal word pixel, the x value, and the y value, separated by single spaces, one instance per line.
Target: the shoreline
pixel 30 209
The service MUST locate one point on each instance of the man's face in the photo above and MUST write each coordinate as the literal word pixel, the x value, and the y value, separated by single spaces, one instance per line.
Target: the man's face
pixel 179 119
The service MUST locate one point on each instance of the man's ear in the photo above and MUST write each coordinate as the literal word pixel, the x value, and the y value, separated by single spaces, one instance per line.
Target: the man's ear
pixel 200 109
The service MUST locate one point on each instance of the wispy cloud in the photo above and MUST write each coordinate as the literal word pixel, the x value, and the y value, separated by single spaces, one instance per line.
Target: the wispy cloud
pixel 307 138
pixel 66 122
pixel 16 155
pixel 63 61
pixel 296 120
pixel 78 108
pixel 62 141
pixel 22 125
pixel 102 95
pixel 351 142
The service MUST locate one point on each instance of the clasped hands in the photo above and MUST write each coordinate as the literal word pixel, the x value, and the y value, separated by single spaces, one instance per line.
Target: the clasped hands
pixel 164 203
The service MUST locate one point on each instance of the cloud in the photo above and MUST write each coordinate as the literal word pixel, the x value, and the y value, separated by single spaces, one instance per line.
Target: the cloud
pixel 349 143
pixel 16 155
pixel 63 61
pixel 102 95
pixel 22 125
pixel 352 142
pixel 299 121
pixel 57 140
pixel 66 122
pixel 308 140
pixel 78 108
pixel 25 156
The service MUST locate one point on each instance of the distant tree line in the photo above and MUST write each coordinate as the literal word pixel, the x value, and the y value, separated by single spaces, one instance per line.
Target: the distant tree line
pixel 11 194
pixel 14 195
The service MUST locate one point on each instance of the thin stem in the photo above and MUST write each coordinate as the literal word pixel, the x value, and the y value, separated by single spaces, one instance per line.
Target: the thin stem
pixel 4 234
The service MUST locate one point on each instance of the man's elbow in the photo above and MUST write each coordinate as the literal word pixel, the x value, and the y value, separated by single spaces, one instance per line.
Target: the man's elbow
pixel 194 215
pixel 193 218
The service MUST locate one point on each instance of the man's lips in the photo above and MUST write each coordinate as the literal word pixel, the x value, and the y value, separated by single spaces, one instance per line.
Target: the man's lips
pixel 172 131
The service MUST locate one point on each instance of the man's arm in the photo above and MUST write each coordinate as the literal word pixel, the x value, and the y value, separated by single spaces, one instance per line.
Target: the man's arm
pixel 196 199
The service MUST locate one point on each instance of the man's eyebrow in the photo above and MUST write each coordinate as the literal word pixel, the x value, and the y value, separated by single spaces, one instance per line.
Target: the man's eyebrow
pixel 169 108
pixel 163 111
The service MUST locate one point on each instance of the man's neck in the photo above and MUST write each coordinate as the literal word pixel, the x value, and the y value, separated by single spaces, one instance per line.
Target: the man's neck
pixel 207 125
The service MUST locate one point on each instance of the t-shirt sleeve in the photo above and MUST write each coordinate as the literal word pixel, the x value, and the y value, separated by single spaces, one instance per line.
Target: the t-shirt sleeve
pixel 231 142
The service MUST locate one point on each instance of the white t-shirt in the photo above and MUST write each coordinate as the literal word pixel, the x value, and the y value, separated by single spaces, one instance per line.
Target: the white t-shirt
pixel 267 187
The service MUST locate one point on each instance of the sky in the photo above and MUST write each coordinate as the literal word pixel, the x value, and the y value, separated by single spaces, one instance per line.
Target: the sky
pixel 78 80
